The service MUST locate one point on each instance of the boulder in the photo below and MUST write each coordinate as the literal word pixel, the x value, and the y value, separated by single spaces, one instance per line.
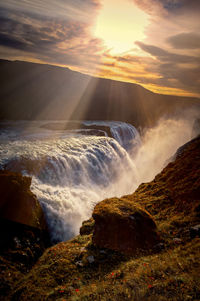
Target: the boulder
pixel 18 203
pixel 123 226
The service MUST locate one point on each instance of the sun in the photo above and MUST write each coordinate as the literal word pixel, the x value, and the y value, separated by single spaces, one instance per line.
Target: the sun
pixel 119 24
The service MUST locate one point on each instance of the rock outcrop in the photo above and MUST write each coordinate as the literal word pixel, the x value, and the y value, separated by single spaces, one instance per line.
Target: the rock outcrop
pixel 123 226
pixel 18 203
pixel 23 232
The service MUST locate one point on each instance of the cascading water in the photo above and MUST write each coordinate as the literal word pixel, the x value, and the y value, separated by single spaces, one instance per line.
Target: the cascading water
pixel 126 134
pixel 70 172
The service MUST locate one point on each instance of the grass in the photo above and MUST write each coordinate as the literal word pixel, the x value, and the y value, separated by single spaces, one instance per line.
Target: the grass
pixel 172 274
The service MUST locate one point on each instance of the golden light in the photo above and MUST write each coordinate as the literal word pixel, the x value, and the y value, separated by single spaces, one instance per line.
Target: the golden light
pixel 119 24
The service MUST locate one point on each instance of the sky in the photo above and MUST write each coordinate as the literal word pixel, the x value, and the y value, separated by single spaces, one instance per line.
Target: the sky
pixel 154 43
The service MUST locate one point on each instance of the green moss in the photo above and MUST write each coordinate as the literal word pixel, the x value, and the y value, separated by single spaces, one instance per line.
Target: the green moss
pixel 121 207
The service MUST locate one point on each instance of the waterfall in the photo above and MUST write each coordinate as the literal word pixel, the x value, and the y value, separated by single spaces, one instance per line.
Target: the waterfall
pixel 70 172
pixel 125 133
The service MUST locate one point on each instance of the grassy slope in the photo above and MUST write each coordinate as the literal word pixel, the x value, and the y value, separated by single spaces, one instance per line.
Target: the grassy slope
pixel 171 273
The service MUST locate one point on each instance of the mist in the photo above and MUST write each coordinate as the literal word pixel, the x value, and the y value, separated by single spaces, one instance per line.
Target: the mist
pixel 160 143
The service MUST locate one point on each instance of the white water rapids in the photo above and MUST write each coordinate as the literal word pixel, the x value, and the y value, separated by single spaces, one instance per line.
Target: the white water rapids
pixel 70 172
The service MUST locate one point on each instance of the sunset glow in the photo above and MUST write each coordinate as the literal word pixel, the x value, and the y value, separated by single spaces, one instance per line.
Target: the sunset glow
pixel 153 43
pixel 119 24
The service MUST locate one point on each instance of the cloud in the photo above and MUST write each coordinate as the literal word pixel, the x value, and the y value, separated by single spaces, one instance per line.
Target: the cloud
pixel 150 6
pixel 163 70
pixel 190 40
pixel 174 70
pixel 166 56
pixel 174 60
pixel 82 11
pixel 28 33
pixel 169 16
pixel 166 7
pixel 65 40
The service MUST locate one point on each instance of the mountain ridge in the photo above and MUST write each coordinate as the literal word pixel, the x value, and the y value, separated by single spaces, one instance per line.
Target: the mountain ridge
pixel 33 91
pixel 92 76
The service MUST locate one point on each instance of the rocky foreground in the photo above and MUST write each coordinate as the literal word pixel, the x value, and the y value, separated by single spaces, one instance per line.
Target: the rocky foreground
pixel 143 246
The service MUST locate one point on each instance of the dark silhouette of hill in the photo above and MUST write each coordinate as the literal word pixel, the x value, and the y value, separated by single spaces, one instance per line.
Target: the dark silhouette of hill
pixel 36 91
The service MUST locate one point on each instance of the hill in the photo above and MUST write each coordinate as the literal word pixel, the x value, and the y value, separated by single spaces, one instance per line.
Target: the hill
pixel 36 91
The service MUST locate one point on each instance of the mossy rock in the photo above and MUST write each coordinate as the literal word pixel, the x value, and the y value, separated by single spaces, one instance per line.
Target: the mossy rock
pixel 123 226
